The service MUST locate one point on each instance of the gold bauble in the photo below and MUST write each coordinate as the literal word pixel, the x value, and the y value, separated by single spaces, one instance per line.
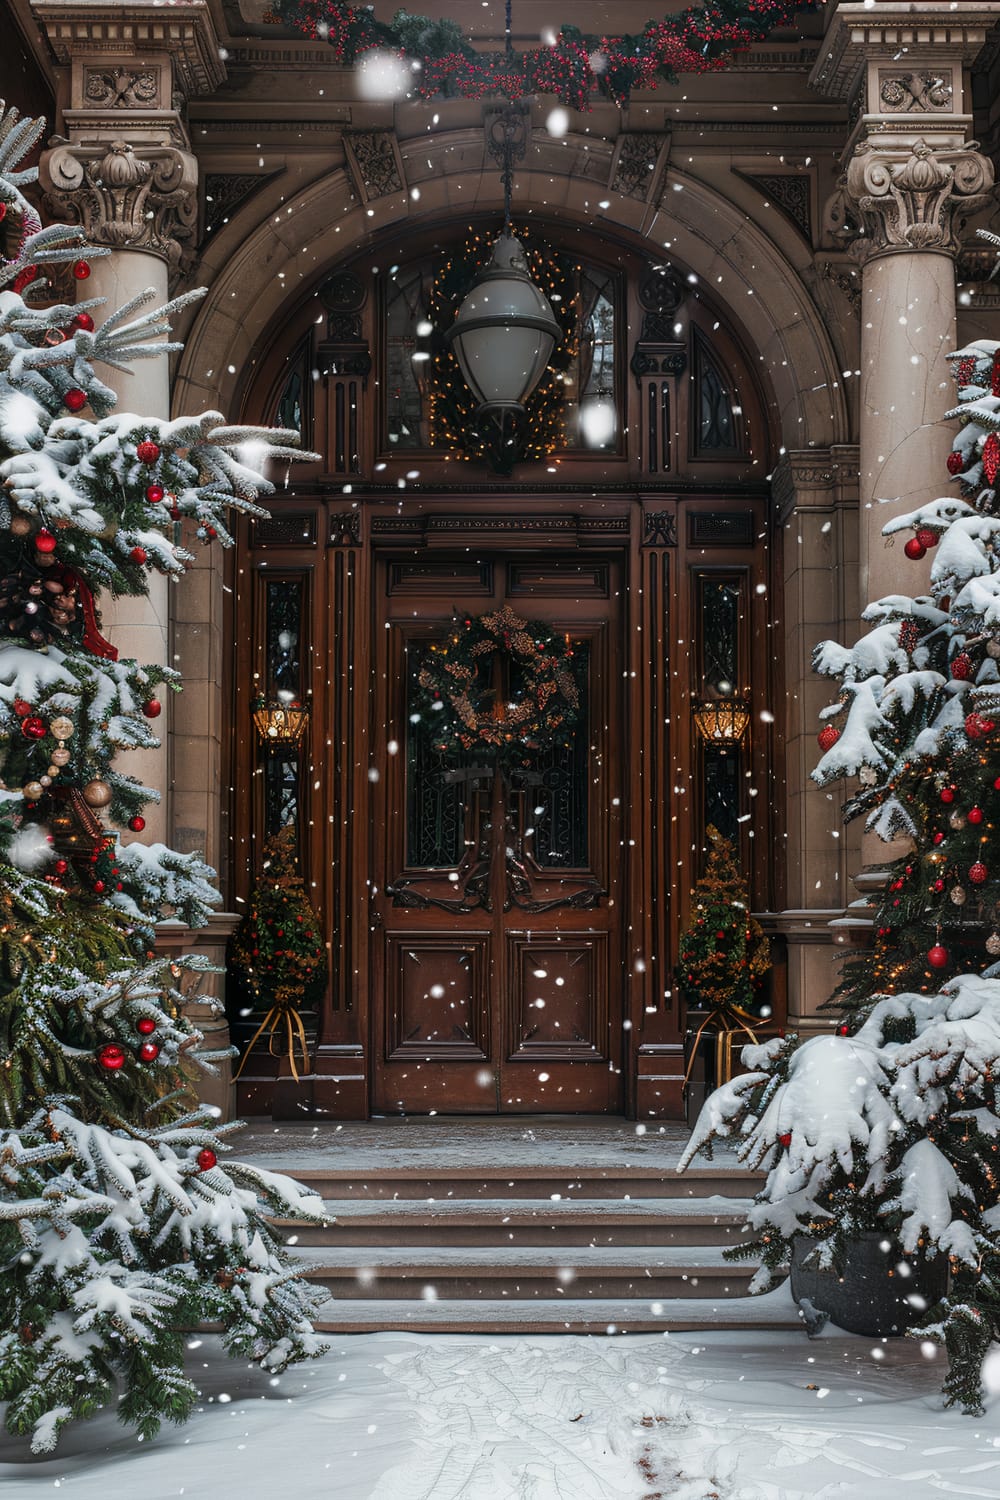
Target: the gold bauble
pixel 33 790
pixel 60 757
pixel 993 943
pixel 957 820
pixel 97 793
pixel 52 771
pixel 958 895
pixel 20 525
pixel 61 727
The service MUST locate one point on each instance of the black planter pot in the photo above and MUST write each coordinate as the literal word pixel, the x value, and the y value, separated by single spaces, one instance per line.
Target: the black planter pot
pixel 871 1296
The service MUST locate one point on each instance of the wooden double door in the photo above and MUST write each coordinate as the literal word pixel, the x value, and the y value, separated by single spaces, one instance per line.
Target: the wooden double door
pixel 496 902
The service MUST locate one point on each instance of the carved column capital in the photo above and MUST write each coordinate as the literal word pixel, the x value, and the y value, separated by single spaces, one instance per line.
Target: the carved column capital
pixel 910 195
pixel 126 198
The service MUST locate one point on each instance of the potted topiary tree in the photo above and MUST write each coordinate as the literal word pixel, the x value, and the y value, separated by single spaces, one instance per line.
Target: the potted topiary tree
pixel 277 956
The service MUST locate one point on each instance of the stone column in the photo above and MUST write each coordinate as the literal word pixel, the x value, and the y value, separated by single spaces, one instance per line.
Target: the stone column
pixel 122 168
pixel 816 495
pixel 133 190
pixel 912 175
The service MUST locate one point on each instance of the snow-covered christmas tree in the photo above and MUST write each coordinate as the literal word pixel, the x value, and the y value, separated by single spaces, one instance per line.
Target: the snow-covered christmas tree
pixel 917 721
pixel 893 1124
pixel 119 1225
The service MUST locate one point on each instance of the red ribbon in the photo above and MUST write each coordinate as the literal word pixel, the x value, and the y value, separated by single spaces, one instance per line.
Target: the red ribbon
pixel 94 641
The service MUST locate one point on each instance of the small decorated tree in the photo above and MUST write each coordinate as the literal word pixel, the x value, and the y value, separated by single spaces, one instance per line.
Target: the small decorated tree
pixel 724 952
pixel 119 1225
pixel 277 954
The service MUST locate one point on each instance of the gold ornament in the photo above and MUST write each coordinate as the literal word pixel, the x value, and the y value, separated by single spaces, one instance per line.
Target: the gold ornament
pixel 20 525
pixel 97 793
pixel 60 757
pixel 33 790
pixel 993 943
pixel 52 771
pixel 957 820
pixel 958 895
pixel 61 727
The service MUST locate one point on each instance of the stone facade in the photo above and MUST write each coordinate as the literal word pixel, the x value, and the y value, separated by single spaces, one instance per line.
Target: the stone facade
pixel 824 189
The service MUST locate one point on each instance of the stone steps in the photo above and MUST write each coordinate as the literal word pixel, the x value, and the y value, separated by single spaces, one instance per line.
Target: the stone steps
pixel 515 1246
pixel 375 1222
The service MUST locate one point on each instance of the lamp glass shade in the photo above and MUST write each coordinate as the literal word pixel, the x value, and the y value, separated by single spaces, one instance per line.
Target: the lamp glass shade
pixel 505 330
pixel 280 723
pixel 722 720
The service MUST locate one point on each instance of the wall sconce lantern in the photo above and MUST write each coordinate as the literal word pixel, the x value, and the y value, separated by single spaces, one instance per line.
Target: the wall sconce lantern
pixel 722 721
pixel 280 725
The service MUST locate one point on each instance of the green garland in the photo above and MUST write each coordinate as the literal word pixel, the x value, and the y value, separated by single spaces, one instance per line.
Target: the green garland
pixel 576 66
pixel 451 404
pixel 458 703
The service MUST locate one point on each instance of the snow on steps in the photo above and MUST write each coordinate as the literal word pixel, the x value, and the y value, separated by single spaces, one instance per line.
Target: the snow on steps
pixel 509 1247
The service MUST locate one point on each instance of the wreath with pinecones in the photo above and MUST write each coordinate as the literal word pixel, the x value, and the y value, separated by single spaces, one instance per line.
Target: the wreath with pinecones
pixel 463 704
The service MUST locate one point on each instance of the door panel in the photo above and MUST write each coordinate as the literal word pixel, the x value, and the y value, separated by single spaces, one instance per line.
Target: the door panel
pixel 496 898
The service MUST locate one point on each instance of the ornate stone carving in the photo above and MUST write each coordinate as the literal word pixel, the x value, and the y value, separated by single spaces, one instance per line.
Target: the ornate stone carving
pixel 635 166
pixel 124 200
pixel 909 197
pixel 916 93
pixel 122 88
pixel 225 194
pixel 789 191
pixel 374 162
pixel 848 282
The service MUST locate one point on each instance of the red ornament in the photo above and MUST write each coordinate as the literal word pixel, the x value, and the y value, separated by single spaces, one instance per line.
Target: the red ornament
pixel 21 707
pixel 937 957
pixel 155 493
pixel 947 794
pixel 85 321
pixel 843 1029
pixel 153 708
pixel 827 737
pixel 137 824
pixel 977 725
pixel 149 1051
pixel 975 815
pixel 991 457
pixel 111 1057
pixel 909 635
pixel 34 728
pixel 61 866
pixel 937 839
pixel 961 666
pixel 81 269
pixel 938 885
pixel 206 1159
pixel 956 463
pixel 915 550
pixel 785 1139
pixel 995 375
pixel 996 784
pixel 146 1026
pixel 138 555
pixel 100 887
pixel 24 278
pixel 147 452
pixel 926 537
pixel 75 399
pixel 45 541
pixel 978 873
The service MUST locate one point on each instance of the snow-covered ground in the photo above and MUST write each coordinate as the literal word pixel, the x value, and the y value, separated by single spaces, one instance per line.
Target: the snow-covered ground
pixel 727 1416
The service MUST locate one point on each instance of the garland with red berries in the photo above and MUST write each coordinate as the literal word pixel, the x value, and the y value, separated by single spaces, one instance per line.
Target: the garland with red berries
pixel 700 39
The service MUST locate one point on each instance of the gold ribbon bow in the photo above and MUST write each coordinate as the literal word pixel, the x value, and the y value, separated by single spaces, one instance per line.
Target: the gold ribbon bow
pixel 281 1010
